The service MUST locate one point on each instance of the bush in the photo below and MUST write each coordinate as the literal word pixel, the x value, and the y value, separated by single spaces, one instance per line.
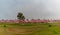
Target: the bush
pixel 50 25
pixel 4 25
pixel 42 22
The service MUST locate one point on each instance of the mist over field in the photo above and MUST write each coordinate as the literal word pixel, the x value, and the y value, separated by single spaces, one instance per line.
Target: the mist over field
pixel 32 9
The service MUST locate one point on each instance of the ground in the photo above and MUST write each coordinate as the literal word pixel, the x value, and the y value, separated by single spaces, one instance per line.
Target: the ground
pixel 30 28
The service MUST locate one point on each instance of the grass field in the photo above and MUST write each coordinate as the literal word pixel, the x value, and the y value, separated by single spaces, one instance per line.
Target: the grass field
pixel 30 28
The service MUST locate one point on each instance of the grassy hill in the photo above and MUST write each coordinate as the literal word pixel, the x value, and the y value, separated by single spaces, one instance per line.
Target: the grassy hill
pixel 29 28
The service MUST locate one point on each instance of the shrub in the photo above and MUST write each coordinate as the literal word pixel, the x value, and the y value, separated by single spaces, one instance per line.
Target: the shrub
pixel 4 25
pixel 50 25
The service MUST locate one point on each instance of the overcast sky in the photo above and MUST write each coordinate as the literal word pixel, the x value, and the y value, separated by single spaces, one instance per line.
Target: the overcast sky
pixel 32 9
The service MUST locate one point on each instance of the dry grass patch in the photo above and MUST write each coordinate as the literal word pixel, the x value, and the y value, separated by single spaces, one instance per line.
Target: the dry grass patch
pixel 19 31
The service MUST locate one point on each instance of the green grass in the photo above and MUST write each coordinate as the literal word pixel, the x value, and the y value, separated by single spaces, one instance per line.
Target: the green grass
pixel 29 28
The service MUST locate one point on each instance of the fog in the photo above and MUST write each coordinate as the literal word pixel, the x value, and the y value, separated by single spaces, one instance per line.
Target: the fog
pixel 32 9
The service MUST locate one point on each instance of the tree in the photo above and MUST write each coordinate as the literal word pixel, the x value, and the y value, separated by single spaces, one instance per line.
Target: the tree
pixel 20 16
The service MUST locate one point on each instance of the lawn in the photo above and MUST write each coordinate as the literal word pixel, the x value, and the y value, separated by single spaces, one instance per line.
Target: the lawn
pixel 30 28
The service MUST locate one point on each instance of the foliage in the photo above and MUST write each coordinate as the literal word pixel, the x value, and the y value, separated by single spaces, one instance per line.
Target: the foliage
pixel 50 25
pixel 4 25
pixel 20 16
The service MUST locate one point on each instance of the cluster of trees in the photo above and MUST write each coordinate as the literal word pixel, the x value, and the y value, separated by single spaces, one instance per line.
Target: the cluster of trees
pixel 20 16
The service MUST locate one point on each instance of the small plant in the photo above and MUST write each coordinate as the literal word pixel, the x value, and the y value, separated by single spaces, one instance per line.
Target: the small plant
pixel 42 22
pixel 4 25
pixel 50 25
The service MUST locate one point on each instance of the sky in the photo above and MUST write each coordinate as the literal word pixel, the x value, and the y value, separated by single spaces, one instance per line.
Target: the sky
pixel 31 9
